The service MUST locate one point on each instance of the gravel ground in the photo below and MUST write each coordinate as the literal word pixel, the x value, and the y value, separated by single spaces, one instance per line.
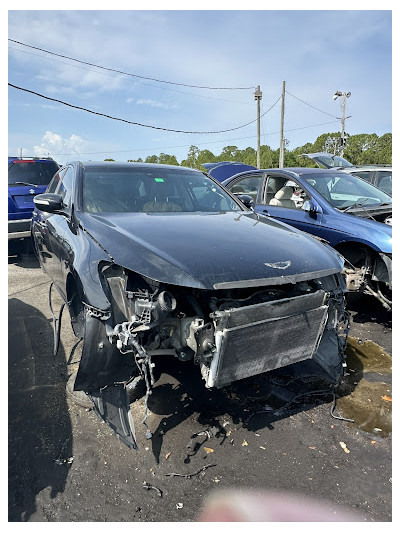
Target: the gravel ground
pixel 65 465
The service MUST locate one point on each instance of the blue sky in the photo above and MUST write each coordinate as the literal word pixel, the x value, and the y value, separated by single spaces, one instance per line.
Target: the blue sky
pixel 315 52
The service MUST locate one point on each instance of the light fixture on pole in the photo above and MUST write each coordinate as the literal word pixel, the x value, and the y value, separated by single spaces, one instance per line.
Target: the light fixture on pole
pixel 344 96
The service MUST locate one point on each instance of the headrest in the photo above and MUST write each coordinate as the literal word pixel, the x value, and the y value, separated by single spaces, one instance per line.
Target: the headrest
pixel 162 187
pixel 285 193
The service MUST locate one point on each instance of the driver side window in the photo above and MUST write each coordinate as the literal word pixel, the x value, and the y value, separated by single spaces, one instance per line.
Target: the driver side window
pixel 55 181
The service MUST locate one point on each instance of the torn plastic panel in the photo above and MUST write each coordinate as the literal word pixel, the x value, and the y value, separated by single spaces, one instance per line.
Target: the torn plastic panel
pixel 111 404
pixel 230 333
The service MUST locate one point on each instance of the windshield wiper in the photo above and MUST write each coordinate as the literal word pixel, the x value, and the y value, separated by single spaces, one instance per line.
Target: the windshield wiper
pixel 360 204
pixel 25 183
pixel 356 204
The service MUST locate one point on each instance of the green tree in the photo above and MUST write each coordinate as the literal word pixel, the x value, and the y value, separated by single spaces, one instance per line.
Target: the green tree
pixel 248 156
pixel 205 156
pixel 267 157
pixel 363 148
pixel 166 159
pixel 229 153
pixel 191 160
pixel 151 159
pixel 358 146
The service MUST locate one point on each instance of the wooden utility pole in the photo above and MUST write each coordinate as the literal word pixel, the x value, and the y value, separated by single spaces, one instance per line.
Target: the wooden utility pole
pixel 282 144
pixel 257 97
pixel 343 135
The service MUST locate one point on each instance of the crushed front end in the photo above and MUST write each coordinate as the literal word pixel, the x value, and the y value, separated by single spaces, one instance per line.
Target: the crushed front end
pixel 230 333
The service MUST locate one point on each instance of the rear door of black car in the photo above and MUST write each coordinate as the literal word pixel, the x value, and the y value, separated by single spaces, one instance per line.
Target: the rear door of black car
pixel 40 231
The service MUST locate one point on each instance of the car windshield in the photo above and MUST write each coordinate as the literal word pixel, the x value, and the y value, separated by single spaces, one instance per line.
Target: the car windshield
pixel 330 161
pixel 345 191
pixel 33 172
pixel 151 190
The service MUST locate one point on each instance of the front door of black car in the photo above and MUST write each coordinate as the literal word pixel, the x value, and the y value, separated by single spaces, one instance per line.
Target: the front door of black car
pixel 59 231
pixel 40 229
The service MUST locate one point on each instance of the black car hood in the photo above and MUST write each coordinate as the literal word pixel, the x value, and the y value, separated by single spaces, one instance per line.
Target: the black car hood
pixel 211 250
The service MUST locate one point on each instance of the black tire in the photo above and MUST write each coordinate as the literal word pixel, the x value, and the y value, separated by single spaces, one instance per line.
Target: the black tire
pixel 79 397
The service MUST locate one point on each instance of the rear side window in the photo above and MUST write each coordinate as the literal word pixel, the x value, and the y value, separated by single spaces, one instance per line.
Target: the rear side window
pixel 31 172
pixel 367 175
pixel 384 181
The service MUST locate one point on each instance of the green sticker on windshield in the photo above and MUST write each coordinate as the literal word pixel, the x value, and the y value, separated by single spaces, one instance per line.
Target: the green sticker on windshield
pixel 159 180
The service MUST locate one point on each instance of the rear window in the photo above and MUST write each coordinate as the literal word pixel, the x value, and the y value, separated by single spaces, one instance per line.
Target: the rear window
pixel 31 172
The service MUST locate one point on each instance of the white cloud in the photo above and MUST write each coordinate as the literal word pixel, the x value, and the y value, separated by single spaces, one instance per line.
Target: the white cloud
pixel 55 144
pixel 155 103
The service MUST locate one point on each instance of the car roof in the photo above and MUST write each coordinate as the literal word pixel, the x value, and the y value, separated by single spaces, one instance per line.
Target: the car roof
pixel 304 170
pixel 11 159
pixel 382 166
pixel 124 164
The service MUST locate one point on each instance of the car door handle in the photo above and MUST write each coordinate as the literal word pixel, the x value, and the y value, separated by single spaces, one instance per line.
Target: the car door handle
pixel 265 212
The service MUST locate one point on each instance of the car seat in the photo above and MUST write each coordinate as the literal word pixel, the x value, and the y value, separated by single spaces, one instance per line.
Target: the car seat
pixel 283 198
pixel 162 193
pixel 100 197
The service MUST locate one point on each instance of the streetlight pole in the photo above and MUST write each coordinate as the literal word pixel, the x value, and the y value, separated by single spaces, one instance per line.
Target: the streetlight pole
pixel 282 143
pixel 257 97
pixel 343 104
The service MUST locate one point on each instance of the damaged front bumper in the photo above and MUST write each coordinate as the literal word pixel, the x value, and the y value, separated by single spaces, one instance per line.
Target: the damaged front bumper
pixel 230 334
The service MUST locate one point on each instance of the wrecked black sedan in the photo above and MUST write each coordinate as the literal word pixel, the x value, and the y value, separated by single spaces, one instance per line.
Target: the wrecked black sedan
pixel 161 260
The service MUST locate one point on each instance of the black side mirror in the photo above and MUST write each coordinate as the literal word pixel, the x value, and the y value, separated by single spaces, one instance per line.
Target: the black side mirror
pixel 246 199
pixel 48 202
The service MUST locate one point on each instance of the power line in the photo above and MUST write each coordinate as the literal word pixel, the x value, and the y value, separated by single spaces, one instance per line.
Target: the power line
pixel 139 82
pixel 188 145
pixel 129 121
pixel 287 92
pixel 127 73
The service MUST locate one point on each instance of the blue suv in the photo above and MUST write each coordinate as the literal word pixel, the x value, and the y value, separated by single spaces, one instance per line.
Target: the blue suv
pixel 27 177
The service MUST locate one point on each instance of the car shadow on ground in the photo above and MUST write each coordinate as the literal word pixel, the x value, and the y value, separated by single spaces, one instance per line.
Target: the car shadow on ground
pixel 40 432
pixel 21 253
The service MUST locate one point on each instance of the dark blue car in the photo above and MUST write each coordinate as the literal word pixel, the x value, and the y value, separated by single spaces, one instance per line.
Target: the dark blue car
pixel 349 213
pixel 27 177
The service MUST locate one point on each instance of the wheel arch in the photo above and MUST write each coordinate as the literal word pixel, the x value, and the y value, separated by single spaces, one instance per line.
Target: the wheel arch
pixel 75 297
